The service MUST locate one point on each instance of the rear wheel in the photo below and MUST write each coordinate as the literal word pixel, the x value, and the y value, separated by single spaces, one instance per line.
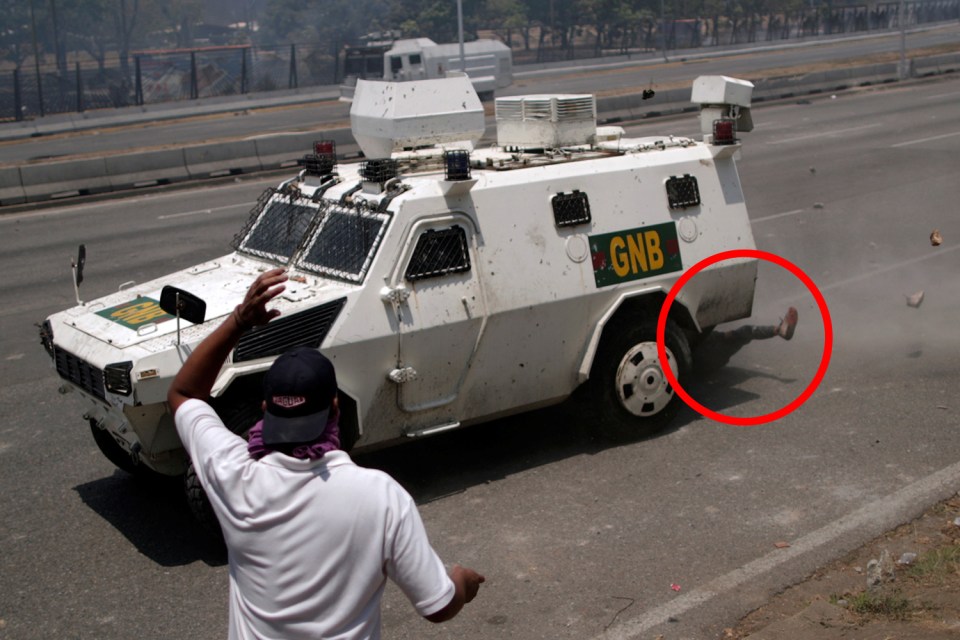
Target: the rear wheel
pixel 630 395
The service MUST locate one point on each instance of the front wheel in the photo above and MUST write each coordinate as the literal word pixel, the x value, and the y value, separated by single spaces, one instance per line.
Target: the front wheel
pixel 199 504
pixel 120 457
pixel 630 395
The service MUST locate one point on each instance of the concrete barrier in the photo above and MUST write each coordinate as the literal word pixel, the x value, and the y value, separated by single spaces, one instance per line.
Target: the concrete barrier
pixel 284 151
pixel 146 168
pixel 11 186
pixel 221 159
pixel 66 178
pixel 44 181
pixel 942 63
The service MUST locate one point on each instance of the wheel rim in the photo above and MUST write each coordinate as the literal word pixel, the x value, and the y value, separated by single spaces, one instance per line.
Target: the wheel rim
pixel 641 386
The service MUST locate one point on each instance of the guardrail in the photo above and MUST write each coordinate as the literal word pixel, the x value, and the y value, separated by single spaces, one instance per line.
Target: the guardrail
pixel 38 182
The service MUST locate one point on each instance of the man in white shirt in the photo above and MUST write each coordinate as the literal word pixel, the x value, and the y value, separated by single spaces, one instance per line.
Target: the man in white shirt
pixel 311 537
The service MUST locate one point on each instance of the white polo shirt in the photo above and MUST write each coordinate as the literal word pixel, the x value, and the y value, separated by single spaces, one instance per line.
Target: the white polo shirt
pixel 310 543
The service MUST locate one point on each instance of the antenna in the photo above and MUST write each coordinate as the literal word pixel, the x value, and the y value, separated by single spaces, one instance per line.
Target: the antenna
pixel 76 266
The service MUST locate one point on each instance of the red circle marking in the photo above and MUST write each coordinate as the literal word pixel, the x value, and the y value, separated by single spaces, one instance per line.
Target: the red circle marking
pixel 827 336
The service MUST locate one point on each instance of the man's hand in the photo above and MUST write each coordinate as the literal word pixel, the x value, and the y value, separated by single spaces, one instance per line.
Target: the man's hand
pixel 195 379
pixel 253 312
pixel 467 583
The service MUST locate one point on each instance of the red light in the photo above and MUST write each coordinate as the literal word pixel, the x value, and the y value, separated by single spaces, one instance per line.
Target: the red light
pixel 724 132
pixel 324 147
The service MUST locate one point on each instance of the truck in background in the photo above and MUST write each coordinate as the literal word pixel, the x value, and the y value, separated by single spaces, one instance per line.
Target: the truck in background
pixel 488 63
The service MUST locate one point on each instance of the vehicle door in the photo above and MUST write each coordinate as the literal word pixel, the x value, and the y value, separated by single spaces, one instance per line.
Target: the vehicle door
pixel 441 311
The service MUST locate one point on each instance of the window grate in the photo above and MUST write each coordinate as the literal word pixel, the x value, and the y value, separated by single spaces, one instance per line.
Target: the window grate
pixel 345 242
pixel 682 192
pixel 439 252
pixel 304 329
pixel 277 225
pixel 571 209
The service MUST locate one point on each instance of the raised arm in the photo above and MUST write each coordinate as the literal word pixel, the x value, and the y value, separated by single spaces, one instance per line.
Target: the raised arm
pixel 195 379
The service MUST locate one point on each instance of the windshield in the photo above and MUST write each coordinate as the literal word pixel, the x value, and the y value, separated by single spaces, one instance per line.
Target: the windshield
pixel 331 240
pixel 345 243
pixel 277 226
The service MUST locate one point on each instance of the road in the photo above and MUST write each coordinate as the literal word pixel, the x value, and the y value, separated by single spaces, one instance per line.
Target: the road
pixel 577 539
pixel 587 76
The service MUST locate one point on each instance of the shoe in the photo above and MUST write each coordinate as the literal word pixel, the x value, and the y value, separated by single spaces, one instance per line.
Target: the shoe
pixel 788 325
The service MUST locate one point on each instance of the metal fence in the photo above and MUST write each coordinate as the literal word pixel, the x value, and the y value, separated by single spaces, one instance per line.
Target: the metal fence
pixel 37 88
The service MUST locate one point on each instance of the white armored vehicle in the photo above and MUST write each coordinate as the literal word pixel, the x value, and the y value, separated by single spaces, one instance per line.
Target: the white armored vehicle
pixel 450 284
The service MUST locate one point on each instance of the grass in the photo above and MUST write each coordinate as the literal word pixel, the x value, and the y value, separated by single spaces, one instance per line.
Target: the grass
pixel 937 564
pixel 892 605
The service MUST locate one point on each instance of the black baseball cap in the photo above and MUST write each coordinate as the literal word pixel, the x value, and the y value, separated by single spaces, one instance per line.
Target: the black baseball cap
pixel 299 389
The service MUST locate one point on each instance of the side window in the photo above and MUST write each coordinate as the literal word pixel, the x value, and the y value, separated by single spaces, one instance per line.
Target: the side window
pixel 439 252
pixel 415 58
pixel 396 64
pixel 682 192
pixel 571 209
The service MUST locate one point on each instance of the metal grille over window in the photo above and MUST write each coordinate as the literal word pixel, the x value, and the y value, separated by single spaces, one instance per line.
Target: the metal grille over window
pixel 378 170
pixel 457 164
pixel 682 192
pixel 571 209
pixel 345 243
pixel 439 252
pixel 304 329
pixel 277 225
pixel 323 159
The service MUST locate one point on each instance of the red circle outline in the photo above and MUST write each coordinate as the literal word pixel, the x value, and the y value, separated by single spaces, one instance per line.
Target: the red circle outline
pixel 827 336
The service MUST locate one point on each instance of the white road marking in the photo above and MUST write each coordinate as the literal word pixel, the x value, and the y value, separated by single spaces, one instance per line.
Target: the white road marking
pixel 922 140
pixel 874 518
pixel 891 267
pixel 942 95
pixel 822 134
pixel 199 212
pixel 778 215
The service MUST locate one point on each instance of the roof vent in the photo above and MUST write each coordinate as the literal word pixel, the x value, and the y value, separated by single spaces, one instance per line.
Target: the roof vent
pixel 546 121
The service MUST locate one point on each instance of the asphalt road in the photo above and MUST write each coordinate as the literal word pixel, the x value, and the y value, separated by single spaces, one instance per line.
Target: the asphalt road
pixel 586 76
pixel 577 539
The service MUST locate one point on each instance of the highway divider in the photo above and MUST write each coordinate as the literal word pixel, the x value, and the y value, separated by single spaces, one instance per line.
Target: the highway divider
pixel 43 181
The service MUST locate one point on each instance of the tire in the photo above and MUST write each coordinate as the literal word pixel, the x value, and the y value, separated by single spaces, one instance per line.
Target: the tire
pixel 629 395
pixel 120 457
pixel 200 505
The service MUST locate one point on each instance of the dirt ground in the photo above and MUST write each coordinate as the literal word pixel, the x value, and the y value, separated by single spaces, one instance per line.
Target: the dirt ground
pixel 914 598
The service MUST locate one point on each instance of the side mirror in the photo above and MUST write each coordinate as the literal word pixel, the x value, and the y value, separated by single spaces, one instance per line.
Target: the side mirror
pixel 183 304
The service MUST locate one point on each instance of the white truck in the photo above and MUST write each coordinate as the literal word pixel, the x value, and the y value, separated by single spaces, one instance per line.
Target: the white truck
pixel 450 284
pixel 488 64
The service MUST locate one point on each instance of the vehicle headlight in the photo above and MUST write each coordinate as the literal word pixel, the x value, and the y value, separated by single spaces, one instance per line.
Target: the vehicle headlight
pixel 46 337
pixel 116 378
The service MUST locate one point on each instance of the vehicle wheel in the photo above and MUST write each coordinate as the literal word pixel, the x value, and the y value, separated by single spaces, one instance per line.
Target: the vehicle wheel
pixel 119 456
pixel 200 505
pixel 630 395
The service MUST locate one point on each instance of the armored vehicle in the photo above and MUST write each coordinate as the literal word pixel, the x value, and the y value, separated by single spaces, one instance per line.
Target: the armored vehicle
pixel 488 63
pixel 450 282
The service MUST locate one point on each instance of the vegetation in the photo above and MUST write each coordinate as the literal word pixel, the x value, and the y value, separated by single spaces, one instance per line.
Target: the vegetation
pixel 97 27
